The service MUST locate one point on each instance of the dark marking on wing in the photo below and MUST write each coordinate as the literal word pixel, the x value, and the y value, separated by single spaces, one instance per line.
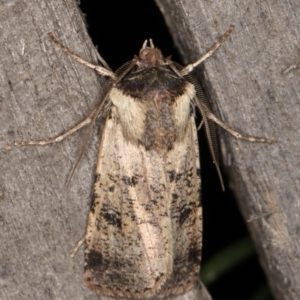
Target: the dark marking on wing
pixel 159 277
pixel 94 259
pixel 172 175
pixel 132 181
pixel 194 255
pixel 200 198
pixel 178 177
pixel 184 214
pixel 174 197
pixel 111 217
pixel 94 202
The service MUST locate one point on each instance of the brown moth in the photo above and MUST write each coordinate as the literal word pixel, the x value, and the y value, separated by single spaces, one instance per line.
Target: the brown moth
pixel 144 231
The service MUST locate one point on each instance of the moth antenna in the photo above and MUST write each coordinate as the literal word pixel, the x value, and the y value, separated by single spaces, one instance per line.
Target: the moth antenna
pixel 200 125
pixel 151 43
pixel 97 68
pixel 79 243
pixel 189 68
pixel 144 44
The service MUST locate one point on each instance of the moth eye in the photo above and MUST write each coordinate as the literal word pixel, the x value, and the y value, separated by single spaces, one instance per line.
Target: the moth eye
pixel 184 214
pixel 112 218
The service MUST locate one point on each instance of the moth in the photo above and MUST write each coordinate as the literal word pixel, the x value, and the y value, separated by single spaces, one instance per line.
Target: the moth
pixel 144 230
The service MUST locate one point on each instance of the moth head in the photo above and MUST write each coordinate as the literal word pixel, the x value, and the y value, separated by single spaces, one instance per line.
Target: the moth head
pixel 149 56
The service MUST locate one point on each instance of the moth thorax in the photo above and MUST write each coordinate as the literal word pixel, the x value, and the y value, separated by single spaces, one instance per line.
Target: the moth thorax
pixel 157 120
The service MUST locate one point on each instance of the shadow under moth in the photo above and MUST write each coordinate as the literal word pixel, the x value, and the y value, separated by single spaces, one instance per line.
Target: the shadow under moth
pixel 144 230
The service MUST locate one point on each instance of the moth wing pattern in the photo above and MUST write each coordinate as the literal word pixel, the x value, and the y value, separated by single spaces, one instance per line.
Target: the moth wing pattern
pixel 122 254
pixel 183 168
pixel 144 231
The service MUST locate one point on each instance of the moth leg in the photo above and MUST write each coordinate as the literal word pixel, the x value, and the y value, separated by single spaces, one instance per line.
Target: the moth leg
pixel 87 138
pixel 236 134
pixel 79 243
pixel 200 125
pixel 62 136
pixel 97 68
pixel 189 68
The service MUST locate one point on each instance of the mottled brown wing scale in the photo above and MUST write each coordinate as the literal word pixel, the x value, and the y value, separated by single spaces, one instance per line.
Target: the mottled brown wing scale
pixel 128 253
pixel 144 229
pixel 183 168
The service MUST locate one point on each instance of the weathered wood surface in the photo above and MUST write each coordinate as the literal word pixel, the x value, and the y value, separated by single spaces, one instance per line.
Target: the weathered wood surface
pixel 252 88
pixel 43 93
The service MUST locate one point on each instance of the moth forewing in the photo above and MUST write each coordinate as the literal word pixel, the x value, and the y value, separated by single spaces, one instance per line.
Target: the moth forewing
pixel 183 168
pixel 129 227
